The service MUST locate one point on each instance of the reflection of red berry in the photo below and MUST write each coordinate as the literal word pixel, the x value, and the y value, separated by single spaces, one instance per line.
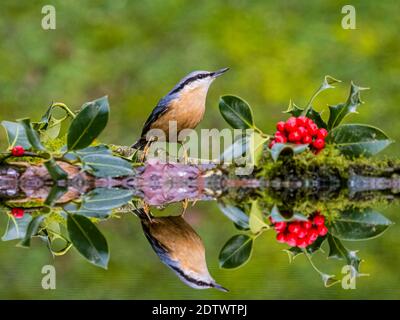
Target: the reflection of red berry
pixel 18 151
pixel 18 213
pixel 300 233
pixel 322 133
pixel 280 126
pixel 319 143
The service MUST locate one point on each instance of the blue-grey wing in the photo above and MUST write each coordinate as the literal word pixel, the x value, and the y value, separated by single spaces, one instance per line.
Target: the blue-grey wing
pixel 158 111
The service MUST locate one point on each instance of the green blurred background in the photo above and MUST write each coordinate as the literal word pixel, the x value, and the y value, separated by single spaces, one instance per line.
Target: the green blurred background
pixel 135 51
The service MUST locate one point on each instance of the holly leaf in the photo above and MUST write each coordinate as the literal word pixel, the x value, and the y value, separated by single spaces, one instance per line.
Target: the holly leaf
pixel 338 251
pixel 293 109
pixel 286 149
pixel 16 228
pixel 359 139
pixel 316 117
pixel 236 251
pixel 32 230
pixel 286 215
pixel 236 215
pixel 106 199
pixel 88 124
pixel 236 112
pixel 359 224
pixel 293 252
pixel 104 165
pixel 338 112
pixel 256 219
pixel 16 135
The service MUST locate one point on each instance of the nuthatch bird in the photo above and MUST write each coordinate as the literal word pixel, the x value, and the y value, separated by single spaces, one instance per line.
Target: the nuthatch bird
pixel 185 104
pixel 180 248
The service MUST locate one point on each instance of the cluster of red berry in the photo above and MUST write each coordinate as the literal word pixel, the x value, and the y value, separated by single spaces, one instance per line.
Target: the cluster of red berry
pixel 17 151
pixel 18 213
pixel 300 130
pixel 300 233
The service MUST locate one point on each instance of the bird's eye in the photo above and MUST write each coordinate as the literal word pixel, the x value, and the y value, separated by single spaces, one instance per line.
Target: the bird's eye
pixel 201 76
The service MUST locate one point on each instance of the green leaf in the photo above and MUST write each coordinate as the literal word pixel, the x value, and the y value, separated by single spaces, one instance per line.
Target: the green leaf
pixel 88 124
pixel 16 228
pixel 100 149
pixel 316 117
pixel 73 208
pixel 329 279
pixel 88 240
pixel 105 199
pixel 293 252
pixel 326 84
pixel 357 224
pixel 16 135
pixel 236 215
pixel 102 165
pixel 32 230
pixel 338 251
pixel 236 251
pixel 338 112
pixel 32 135
pixel 294 110
pixel 236 112
pixel 359 139
pixel 257 147
pixel 236 149
pixel 256 219
pixel 286 149
pixel 55 171
pixel 286 215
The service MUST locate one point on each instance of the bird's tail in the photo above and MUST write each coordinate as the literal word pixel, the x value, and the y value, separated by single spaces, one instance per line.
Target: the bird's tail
pixel 140 144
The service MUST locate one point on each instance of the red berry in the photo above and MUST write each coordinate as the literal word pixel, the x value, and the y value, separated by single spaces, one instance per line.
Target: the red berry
pixel 294 136
pixel 281 237
pixel 302 131
pixel 294 227
pixel 313 234
pixel 322 230
pixel 271 144
pixel 18 151
pixel 306 225
pixel 319 144
pixel 312 128
pixel 280 226
pixel 301 243
pixel 280 139
pixel 291 240
pixel 319 220
pixel 290 124
pixel 18 213
pixel 306 139
pixel 280 126
pixel 322 133
pixel 302 233
pixel 301 121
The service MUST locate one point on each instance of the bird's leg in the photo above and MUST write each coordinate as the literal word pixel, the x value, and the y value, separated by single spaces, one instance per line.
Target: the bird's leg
pixel 185 204
pixel 146 209
pixel 146 149
pixel 194 202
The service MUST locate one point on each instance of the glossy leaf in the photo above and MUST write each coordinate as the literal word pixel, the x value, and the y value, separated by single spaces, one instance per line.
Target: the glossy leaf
pixel 316 117
pixel 338 251
pixel 73 208
pixel 236 112
pixel 88 240
pixel 359 139
pixel 100 149
pixel 257 147
pixel 32 135
pixel 102 165
pixel 293 252
pixel 55 171
pixel 286 215
pixel 31 231
pixel 359 225
pixel 16 228
pixel 56 192
pixel 294 110
pixel 286 149
pixel 16 135
pixel 236 149
pixel 338 112
pixel 256 219
pixel 327 83
pixel 88 124
pixel 105 199
pixel 236 215
pixel 329 279
pixel 236 251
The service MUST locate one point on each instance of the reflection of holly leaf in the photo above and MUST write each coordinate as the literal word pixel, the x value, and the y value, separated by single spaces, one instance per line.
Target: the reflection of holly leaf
pixel 284 215
pixel 359 225
pixel 338 251
pixel 329 279
pixel 293 109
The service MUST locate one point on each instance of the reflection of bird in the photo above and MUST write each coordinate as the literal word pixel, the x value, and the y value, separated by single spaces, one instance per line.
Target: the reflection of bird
pixel 185 104
pixel 180 248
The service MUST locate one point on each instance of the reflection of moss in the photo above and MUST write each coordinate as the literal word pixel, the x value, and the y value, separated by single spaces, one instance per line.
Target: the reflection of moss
pixel 54 145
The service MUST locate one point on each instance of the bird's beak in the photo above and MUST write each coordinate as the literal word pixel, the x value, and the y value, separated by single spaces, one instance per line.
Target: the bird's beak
pixel 219 72
pixel 219 287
